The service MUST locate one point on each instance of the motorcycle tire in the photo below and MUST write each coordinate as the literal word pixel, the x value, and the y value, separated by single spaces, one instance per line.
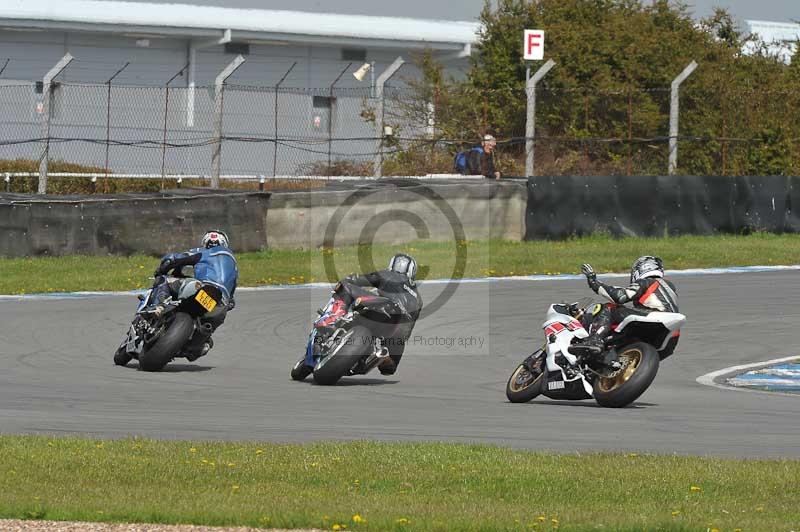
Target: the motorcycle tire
pixel 631 381
pixel 523 385
pixel 333 367
pixel 121 357
pixel 300 371
pixel 168 345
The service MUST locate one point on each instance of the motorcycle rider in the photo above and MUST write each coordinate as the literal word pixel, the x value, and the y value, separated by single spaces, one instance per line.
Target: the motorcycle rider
pixel 649 291
pixel 214 263
pixel 398 283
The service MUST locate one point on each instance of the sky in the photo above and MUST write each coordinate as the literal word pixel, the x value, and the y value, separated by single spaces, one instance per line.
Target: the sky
pixel 773 10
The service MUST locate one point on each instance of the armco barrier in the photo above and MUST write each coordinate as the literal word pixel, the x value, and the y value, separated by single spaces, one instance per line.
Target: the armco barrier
pixel 142 223
pixel 560 207
pixel 396 211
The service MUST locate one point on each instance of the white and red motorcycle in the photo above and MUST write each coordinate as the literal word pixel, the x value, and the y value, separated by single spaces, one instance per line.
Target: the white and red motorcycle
pixel 616 378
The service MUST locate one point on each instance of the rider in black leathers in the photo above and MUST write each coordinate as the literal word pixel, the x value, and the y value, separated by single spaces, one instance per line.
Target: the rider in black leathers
pixel 397 283
pixel 649 291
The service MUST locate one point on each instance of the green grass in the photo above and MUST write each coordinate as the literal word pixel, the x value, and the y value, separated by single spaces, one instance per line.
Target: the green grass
pixel 55 274
pixel 389 486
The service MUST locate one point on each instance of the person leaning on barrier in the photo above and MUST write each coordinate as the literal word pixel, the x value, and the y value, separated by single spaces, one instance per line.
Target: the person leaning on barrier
pixel 479 160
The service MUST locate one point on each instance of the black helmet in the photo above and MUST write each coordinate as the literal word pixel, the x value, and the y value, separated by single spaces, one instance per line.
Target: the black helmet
pixel 405 264
pixel 214 238
pixel 646 267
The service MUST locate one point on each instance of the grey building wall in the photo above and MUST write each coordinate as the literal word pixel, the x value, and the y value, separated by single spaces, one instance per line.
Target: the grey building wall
pixel 137 106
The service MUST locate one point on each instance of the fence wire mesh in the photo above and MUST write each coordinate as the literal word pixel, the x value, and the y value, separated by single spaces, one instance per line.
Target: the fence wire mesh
pixel 271 132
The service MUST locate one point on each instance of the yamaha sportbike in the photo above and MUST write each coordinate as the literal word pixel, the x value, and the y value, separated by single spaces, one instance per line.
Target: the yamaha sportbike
pixel 615 378
pixel 350 339
pixel 154 340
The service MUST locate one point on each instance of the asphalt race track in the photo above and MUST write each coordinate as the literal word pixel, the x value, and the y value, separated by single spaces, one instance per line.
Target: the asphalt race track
pixel 57 376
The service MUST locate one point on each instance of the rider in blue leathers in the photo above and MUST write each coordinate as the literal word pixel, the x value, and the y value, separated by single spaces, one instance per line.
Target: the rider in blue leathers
pixel 214 263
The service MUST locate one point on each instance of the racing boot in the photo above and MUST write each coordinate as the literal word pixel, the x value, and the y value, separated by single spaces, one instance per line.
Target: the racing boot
pixel 387 366
pixel 592 346
pixel 200 343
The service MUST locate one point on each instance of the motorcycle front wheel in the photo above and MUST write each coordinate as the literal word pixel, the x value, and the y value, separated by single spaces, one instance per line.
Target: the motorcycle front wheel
pixel 639 368
pixel 525 384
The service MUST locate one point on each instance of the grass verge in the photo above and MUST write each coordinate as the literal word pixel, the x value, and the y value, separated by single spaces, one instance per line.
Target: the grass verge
pixel 382 486
pixel 485 258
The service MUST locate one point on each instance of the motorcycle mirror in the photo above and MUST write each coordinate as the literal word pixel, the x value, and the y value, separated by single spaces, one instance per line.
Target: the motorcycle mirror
pixel 140 297
pixel 320 312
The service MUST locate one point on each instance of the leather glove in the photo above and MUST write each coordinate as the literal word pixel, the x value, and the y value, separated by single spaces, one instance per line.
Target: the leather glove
pixel 591 277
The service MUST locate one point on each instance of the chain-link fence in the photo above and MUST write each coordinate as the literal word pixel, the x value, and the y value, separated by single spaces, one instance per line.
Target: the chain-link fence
pixel 268 132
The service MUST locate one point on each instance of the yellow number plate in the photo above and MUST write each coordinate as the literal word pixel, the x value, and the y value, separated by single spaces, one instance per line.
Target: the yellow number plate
pixel 205 300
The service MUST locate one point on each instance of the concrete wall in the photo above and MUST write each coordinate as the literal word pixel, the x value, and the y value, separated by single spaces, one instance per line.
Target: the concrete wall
pixel 396 213
pixel 146 223
pixel 386 212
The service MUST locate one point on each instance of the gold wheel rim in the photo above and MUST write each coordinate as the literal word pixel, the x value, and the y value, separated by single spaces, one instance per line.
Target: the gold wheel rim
pixel 631 360
pixel 516 378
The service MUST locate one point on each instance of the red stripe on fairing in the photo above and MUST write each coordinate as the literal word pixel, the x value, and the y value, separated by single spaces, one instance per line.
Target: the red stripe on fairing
pixel 650 292
pixel 554 328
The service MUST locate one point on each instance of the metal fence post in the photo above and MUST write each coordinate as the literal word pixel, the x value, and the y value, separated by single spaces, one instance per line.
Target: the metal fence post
pixel 674 111
pixel 530 123
pixel 46 112
pixel 108 121
pixel 331 99
pixel 166 124
pixel 218 96
pixel 379 84
pixel 275 150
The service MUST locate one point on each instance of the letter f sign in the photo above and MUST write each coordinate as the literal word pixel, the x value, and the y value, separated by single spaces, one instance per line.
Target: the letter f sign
pixel 533 46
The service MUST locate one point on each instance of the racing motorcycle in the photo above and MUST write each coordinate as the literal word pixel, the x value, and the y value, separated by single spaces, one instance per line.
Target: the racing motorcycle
pixel 349 340
pixel 155 340
pixel 616 378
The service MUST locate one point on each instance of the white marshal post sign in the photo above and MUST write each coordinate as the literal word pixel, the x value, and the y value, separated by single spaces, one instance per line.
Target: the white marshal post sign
pixel 532 50
pixel 533 45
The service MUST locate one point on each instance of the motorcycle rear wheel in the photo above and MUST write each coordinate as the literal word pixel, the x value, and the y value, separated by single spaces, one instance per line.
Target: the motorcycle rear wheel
pixel 335 366
pixel 169 344
pixel 640 362
pixel 524 385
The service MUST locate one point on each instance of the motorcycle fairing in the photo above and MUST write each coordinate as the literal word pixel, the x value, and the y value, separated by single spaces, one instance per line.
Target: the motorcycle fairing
pixel 560 329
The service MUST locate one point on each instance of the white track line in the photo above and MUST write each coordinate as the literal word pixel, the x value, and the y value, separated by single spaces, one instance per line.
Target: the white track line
pixel 472 280
pixel 709 379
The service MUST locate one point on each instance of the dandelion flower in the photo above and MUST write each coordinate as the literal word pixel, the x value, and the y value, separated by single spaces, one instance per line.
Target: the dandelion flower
pixel 675 513
pixel 358 519
pixel 336 526
pixel 541 518
pixel 259 451
pixel 695 489
pixel 192 450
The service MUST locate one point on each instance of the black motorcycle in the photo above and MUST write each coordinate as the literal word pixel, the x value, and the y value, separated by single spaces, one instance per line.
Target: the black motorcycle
pixel 155 340
pixel 350 339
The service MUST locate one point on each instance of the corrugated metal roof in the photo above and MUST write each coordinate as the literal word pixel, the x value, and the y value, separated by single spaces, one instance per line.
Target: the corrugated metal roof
pixel 779 37
pixel 45 13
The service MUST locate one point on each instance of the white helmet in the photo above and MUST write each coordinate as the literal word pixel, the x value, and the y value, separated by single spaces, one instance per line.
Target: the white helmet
pixel 646 267
pixel 405 264
pixel 214 238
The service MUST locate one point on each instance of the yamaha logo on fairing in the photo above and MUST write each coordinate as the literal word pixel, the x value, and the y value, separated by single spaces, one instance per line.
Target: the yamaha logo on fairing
pixel 555 385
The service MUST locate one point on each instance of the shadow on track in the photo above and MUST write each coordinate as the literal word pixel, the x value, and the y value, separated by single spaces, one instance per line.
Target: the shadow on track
pixel 587 404
pixel 176 368
pixel 345 382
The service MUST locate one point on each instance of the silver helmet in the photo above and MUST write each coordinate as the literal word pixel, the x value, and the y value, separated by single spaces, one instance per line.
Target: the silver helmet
pixel 646 267
pixel 405 264
pixel 214 238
